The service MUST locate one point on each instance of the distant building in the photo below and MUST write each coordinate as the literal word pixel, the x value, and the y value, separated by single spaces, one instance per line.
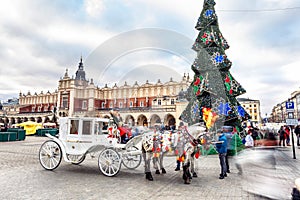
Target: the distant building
pixel 252 107
pixel 295 97
pixel 279 112
pixel 138 104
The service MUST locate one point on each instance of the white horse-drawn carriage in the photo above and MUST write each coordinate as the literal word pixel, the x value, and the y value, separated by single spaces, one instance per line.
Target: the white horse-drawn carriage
pixel 79 137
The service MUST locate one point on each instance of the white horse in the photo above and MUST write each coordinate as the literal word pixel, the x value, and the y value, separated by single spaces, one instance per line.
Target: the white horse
pixel 183 143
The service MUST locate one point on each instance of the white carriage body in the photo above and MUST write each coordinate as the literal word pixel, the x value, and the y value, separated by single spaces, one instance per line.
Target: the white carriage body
pixel 84 135
pixel 79 136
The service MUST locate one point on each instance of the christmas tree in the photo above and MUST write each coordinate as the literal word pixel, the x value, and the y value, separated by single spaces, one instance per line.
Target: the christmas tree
pixel 212 94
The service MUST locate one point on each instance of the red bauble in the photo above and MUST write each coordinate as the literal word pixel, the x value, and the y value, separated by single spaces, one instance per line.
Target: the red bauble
pixel 197 82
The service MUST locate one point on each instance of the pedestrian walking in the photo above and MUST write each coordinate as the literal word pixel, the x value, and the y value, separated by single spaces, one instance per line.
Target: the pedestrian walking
pixel 249 142
pixel 227 130
pixel 287 132
pixel 221 147
pixel 282 136
pixel 297 131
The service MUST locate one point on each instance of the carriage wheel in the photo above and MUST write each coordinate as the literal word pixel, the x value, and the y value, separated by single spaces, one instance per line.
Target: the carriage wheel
pixel 50 155
pixel 131 161
pixel 76 159
pixel 109 162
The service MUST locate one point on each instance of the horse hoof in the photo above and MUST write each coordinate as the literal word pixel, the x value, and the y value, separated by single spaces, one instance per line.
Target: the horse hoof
pixel 149 176
pixel 163 171
pixel 195 175
pixel 157 172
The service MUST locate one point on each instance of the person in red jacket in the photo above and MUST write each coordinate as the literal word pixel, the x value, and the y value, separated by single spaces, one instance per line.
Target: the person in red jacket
pixel 288 132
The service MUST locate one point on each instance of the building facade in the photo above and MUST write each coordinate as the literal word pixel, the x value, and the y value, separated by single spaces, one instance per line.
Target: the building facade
pixel 279 112
pixel 252 107
pixel 138 104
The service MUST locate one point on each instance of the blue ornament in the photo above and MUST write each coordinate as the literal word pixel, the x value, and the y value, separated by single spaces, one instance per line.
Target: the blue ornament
pixel 195 108
pixel 241 111
pixel 224 109
pixel 219 58
pixel 209 13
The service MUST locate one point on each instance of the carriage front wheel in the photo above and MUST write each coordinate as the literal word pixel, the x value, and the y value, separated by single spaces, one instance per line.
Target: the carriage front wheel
pixel 131 161
pixel 109 162
pixel 50 155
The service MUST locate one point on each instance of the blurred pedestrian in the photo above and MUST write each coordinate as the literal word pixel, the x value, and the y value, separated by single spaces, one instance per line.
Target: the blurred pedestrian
pixel 282 136
pixel 227 130
pixel 297 131
pixel 255 135
pixel 221 147
pixel 249 142
pixel 287 132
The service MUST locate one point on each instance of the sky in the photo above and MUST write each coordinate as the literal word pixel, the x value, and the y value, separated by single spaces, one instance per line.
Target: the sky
pixel 140 40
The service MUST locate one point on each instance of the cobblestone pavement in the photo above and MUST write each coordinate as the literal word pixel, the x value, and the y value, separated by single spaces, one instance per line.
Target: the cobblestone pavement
pixel 22 177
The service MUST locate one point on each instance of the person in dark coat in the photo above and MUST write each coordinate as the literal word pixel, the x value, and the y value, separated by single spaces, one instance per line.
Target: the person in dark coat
pixel 297 131
pixel 282 136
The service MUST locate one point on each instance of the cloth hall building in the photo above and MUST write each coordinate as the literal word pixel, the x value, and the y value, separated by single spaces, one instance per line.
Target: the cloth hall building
pixel 138 104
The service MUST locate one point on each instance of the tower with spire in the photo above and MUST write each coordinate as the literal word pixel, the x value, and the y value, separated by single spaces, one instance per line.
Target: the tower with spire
pixel 80 73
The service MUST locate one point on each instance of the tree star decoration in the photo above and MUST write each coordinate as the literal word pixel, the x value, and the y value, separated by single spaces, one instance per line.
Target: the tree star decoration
pixel 217 58
pixel 208 13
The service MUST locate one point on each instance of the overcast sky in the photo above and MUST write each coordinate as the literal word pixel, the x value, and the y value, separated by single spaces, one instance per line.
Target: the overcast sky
pixel 146 40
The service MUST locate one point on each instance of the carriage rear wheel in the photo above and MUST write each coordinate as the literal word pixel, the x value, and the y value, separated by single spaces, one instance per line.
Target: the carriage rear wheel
pixel 131 161
pixel 50 155
pixel 109 162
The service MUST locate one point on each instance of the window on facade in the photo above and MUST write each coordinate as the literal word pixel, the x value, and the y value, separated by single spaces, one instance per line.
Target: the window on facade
pixel 250 106
pixel 103 105
pixel 120 105
pixel 159 102
pixel 254 105
pixel 172 101
pixel 74 127
pixel 65 101
pixel 86 127
pixel 141 104
pixel 255 111
pixel 39 108
pixel 110 104
pixel 33 109
pixel 84 104
pixel 131 104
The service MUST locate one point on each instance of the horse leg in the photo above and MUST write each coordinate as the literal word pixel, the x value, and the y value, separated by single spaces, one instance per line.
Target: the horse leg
pixel 193 167
pixel 178 165
pixel 147 159
pixel 155 165
pixel 161 164
pixel 186 173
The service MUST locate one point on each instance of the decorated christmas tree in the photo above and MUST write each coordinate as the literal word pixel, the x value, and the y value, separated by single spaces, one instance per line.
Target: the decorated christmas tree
pixel 212 94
